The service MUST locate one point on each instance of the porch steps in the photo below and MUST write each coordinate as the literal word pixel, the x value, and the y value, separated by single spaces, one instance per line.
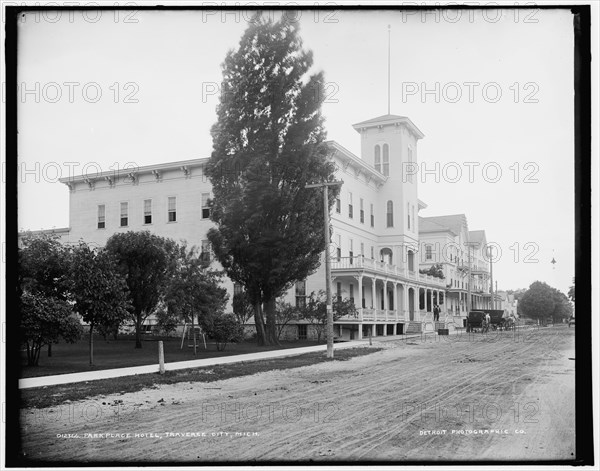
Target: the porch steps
pixel 440 325
pixel 413 327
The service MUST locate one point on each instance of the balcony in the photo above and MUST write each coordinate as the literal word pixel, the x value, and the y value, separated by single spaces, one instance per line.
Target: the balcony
pixel 381 268
pixel 376 315
pixel 432 280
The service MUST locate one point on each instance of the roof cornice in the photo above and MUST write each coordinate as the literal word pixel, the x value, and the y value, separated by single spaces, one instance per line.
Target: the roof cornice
pixel 182 164
pixel 358 163
pixel 389 120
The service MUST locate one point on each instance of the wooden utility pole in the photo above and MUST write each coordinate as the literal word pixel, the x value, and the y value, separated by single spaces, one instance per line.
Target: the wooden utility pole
pixel 492 280
pixel 327 261
pixel 469 282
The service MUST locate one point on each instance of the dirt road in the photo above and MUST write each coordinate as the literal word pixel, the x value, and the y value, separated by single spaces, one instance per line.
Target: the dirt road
pixel 496 397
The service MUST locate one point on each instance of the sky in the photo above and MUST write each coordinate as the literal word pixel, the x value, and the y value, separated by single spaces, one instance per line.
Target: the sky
pixel 491 90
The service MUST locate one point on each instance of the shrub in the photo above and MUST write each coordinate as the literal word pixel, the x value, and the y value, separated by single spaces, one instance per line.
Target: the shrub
pixel 167 322
pixel 224 329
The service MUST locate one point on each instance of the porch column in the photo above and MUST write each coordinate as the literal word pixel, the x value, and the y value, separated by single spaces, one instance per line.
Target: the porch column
pixel 417 307
pixel 386 306
pixel 386 298
pixel 395 299
pixel 373 293
pixel 360 297
pixel 360 293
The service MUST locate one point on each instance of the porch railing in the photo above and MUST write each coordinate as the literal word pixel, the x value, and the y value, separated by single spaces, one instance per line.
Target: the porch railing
pixel 360 262
pixel 376 315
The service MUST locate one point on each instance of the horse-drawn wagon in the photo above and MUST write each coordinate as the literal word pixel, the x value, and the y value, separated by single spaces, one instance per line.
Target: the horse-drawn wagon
pixel 476 321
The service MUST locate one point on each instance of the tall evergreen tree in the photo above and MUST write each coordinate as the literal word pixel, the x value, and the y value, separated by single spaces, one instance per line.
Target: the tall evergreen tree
pixel 268 143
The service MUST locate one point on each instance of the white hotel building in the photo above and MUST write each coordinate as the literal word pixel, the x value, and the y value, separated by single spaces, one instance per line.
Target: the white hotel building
pixel 376 229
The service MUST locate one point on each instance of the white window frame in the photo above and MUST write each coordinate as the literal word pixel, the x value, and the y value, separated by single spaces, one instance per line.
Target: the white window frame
pixel 126 217
pixel 103 217
pixel 169 210
pixel 147 213
pixel 205 206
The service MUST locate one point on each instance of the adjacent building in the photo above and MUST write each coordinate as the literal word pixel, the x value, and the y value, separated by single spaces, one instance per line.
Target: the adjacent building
pixel 446 242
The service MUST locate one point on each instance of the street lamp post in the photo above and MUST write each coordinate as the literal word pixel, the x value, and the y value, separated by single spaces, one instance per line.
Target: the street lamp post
pixel 469 306
pixel 327 260
pixel 469 283
pixel 491 278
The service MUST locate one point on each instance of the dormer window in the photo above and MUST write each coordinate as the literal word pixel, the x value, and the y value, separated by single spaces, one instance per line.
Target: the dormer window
pixel 378 158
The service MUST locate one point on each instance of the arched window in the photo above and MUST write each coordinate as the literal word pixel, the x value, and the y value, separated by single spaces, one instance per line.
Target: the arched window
pixel 378 158
pixel 386 160
pixel 386 255
pixel 390 214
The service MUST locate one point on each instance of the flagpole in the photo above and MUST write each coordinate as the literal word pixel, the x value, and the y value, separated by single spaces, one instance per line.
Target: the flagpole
pixel 389 68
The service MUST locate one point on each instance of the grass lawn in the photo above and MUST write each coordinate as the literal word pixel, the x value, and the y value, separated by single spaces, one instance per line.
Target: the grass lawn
pixel 49 396
pixel 73 358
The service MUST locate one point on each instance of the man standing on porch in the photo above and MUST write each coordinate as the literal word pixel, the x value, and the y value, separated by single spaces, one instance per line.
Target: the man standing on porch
pixel 436 313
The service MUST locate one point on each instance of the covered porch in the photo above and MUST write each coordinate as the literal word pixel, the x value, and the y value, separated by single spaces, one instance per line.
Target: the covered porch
pixel 385 306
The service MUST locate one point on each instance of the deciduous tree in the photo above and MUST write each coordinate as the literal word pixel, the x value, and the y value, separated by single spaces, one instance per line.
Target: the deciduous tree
pixel 147 263
pixel 542 301
pixel 563 309
pixel 571 293
pixel 45 314
pixel 194 292
pixel 43 265
pixel 242 307
pixel 315 311
pixel 225 329
pixel 98 290
pixel 44 320
pixel 286 313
